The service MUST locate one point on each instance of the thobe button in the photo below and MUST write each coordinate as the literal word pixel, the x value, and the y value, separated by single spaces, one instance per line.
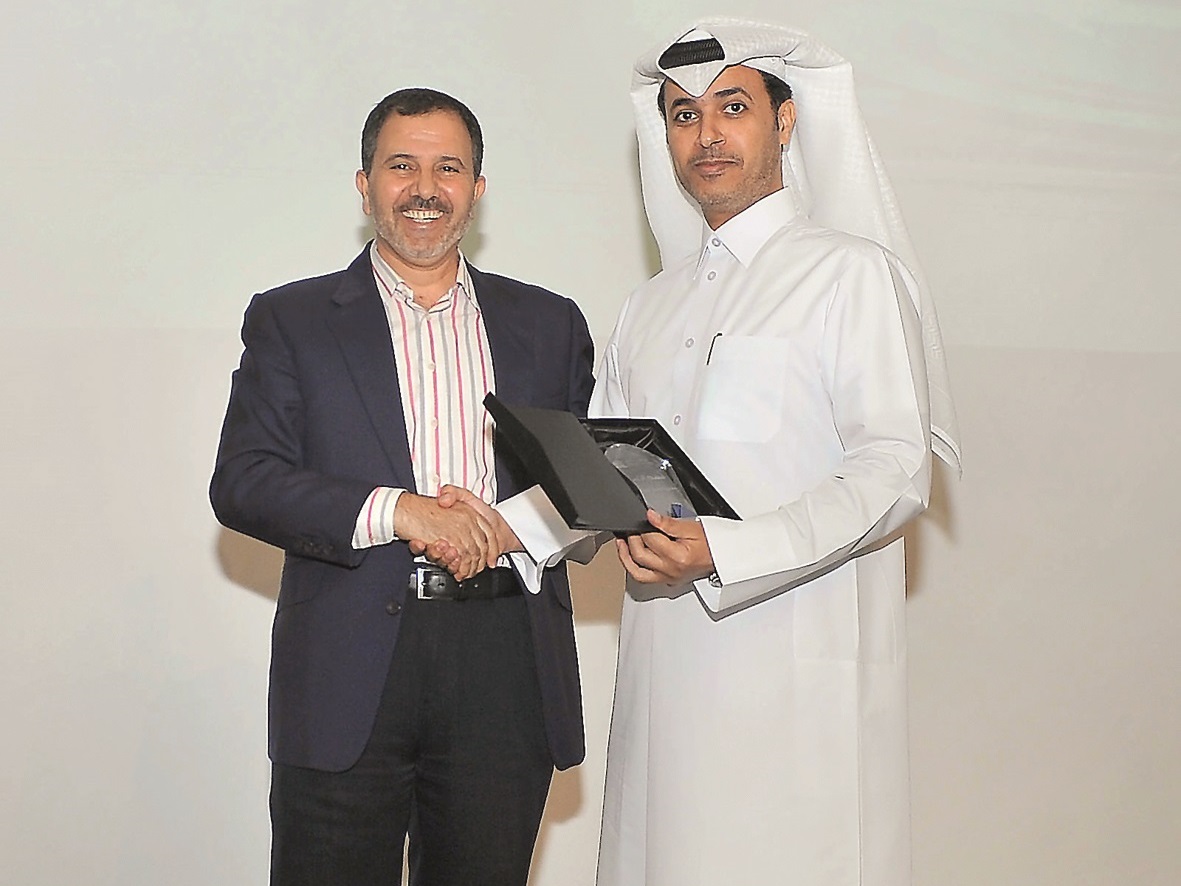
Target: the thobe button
pixel 689 342
pixel 715 242
pixel 676 419
pixel 392 607
pixel 711 275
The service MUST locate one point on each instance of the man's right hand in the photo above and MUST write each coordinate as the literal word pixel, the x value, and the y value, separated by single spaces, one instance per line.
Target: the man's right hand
pixel 459 539
pixel 453 496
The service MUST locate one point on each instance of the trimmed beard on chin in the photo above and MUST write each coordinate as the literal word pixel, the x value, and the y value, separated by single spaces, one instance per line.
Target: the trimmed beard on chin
pixel 389 232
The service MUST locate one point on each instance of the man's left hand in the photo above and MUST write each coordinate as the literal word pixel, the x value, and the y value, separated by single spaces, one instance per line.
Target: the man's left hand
pixel 677 554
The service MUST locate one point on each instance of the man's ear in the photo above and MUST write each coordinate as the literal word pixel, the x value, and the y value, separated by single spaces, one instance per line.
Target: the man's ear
pixel 481 184
pixel 363 189
pixel 786 121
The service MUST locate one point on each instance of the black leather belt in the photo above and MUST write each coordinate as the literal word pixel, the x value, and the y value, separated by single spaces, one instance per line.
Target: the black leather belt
pixel 436 583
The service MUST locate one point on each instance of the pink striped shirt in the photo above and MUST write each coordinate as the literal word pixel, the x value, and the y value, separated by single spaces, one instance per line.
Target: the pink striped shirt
pixel 444 370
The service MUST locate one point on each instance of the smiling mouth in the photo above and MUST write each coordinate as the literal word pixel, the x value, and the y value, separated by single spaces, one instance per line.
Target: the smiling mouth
pixel 423 215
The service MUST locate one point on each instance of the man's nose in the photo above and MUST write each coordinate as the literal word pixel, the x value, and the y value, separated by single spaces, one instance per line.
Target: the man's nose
pixel 425 185
pixel 710 133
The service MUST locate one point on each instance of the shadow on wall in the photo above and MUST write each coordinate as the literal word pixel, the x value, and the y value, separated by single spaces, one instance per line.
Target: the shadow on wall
pixel 597 592
pixel 597 588
pixel 939 517
pixel 250 564
pixel 563 804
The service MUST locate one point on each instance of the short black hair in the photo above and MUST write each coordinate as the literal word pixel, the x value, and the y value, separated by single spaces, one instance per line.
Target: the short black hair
pixel 414 102
pixel 776 88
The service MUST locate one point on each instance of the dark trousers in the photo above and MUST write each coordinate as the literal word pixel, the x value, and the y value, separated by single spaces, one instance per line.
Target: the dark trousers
pixel 458 762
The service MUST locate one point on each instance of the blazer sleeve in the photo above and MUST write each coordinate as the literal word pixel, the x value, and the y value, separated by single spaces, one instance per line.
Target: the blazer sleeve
pixel 582 358
pixel 261 483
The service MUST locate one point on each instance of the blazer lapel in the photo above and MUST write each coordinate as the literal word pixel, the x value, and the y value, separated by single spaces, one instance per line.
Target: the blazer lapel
pixel 513 353
pixel 363 333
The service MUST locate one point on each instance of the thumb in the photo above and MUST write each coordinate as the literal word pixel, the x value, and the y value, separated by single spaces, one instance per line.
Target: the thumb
pixel 662 522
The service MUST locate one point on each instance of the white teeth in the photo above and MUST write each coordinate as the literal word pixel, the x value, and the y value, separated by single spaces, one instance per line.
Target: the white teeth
pixel 422 214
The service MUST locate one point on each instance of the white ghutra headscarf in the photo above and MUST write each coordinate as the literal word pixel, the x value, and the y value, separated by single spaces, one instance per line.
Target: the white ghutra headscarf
pixel 831 168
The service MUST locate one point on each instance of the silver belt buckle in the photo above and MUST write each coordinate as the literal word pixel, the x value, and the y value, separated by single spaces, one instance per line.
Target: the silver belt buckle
pixel 421 591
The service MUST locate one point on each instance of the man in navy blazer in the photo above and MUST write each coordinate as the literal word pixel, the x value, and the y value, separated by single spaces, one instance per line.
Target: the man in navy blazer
pixel 404 700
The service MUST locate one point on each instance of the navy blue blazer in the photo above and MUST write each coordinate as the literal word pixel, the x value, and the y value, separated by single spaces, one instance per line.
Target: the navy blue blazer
pixel 314 423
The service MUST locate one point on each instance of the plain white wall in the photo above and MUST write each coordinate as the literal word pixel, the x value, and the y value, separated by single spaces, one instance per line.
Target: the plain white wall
pixel 161 161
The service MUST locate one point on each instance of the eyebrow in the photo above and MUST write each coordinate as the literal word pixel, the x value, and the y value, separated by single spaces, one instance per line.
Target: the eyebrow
pixel 405 155
pixel 732 90
pixel 726 92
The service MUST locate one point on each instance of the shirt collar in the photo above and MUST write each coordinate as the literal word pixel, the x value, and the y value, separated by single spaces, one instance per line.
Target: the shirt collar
pixel 748 232
pixel 394 285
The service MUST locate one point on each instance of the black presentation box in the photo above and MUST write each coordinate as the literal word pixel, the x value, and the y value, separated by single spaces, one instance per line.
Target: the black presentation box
pixel 565 456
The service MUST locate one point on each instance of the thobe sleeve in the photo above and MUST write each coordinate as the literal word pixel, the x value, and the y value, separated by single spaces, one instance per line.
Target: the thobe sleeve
pixel 874 371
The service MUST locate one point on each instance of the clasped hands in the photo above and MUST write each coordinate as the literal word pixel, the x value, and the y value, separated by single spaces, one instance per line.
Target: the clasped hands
pixel 465 535
pixel 457 530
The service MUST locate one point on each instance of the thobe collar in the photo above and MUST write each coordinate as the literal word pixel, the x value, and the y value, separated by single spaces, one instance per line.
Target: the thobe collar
pixel 747 233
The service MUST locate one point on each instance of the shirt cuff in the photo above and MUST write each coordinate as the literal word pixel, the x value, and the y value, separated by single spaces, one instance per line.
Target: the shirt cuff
pixel 539 527
pixel 375 522
pixel 526 568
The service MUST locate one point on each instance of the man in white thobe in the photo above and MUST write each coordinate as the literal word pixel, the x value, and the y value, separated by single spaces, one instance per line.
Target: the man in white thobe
pixel 759 730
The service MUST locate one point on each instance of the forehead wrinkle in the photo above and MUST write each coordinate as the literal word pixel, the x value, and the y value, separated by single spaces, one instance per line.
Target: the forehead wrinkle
pixel 728 91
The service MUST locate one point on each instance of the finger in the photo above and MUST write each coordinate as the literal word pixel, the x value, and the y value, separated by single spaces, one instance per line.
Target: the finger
pixel 657 519
pixel 499 545
pixel 498 534
pixel 639 573
pixel 417 546
pixel 671 526
pixel 489 544
pixel 460 568
pixel 462 529
pixel 457 494
pixel 471 565
pixel 449 495
pixel 658 544
pixel 643 553
pixel 658 555
pixel 442 553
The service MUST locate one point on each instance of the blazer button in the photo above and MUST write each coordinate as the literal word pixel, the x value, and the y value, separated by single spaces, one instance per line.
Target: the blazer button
pixel 393 608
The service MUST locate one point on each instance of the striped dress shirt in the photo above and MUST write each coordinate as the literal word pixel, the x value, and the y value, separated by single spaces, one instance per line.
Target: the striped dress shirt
pixel 444 370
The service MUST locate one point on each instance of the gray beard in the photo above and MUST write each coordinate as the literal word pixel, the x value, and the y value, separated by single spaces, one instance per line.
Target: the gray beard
pixel 390 234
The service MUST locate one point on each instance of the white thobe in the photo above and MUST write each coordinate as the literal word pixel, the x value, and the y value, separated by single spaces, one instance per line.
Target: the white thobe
pixel 759 728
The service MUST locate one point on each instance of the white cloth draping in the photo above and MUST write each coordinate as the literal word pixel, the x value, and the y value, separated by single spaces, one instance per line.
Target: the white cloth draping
pixel 769 745
pixel 831 168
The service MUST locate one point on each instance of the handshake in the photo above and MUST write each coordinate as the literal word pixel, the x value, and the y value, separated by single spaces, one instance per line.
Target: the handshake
pixel 457 530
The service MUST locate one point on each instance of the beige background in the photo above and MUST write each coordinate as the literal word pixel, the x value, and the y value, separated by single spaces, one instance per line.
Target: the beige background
pixel 161 161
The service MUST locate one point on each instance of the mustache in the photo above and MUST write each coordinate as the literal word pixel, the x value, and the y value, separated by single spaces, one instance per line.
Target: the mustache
pixel 429 204
pixel 711 155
